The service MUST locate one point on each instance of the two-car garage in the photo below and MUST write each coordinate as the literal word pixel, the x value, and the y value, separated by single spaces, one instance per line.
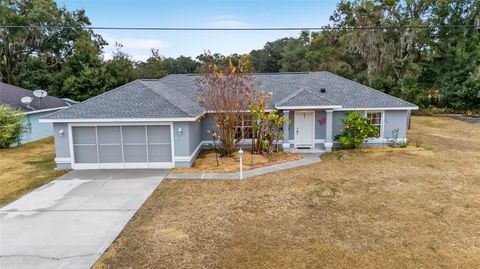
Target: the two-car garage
pixel 121 146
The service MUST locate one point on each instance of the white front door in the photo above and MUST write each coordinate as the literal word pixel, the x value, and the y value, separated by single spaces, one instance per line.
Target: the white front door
pixel 304 128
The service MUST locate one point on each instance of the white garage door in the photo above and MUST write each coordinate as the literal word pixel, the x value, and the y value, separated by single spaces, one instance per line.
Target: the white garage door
pixel 145 146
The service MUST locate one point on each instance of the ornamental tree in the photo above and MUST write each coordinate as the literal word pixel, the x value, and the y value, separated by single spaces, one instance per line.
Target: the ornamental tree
pixel 222 92
pixel 266 125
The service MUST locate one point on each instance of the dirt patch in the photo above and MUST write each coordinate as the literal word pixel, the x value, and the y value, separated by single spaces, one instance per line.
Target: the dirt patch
pixel 206 162
pixel 373 208
pixel 26 168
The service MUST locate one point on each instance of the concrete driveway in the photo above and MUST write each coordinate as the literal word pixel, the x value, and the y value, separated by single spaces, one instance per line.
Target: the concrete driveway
pixel 71 221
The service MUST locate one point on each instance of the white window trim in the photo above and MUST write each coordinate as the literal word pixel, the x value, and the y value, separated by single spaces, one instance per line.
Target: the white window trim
pixel 382 126
pixel 99 165
pixel 242 127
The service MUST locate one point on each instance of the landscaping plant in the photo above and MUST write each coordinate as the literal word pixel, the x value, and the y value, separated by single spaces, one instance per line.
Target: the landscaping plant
pixel 356 130
pixel 11 126
pixel 395 143
pixel 222 91
pixel 266 126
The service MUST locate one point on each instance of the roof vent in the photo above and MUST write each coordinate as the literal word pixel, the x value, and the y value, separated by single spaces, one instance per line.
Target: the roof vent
pixel 322 90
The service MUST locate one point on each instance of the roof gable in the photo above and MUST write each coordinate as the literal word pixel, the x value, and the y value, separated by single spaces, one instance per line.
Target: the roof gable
pixel 306 98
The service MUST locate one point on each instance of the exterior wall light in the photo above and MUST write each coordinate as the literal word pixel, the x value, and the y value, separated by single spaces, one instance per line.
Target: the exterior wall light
pixel 61 132
pixel 179 131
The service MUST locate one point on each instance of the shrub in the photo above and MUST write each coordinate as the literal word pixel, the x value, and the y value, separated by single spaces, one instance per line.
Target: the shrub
pixel 11 126
pixel 395 143
pixel 267 127
pixel 356 130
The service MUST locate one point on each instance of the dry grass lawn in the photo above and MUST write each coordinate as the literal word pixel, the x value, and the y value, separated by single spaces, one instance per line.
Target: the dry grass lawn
pixel 26 168
pixel 372 208
pixel 206 162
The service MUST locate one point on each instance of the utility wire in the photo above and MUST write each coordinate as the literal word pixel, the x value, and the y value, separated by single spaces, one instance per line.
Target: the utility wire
pixel 240 29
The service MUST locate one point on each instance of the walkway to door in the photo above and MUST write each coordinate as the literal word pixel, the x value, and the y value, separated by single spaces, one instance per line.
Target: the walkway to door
pixel 309 157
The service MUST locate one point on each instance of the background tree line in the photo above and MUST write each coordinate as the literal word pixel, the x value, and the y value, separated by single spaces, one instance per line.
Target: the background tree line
pixel 432 67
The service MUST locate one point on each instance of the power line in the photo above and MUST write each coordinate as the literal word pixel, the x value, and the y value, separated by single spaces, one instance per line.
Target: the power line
pixel 240 29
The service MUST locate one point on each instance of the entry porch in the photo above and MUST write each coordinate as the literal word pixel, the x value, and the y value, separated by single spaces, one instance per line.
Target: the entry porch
pixel 308 129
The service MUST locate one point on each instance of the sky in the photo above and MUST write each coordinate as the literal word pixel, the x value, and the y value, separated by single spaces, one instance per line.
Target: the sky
pixel 199 13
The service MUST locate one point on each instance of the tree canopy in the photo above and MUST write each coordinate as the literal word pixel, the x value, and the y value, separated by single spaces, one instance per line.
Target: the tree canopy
pixel 433 67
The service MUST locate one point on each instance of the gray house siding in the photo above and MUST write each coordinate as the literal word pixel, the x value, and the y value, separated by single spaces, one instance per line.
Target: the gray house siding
pixel 337 124
pixel 35 129
pixel 320 129
pixel 395 119
pixel 181 140
pixel 291 127
pixel 195 138
pixel 187 143
pixel 207 124
pixel 62 147
pixel 392 119
pixel 194 133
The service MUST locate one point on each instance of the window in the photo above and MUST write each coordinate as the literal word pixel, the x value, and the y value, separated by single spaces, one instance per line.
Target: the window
pixel 375 118
pixel 245 130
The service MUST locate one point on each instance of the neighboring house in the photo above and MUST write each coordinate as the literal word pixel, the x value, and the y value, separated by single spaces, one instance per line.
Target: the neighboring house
pixel 160 123
pixel 11 95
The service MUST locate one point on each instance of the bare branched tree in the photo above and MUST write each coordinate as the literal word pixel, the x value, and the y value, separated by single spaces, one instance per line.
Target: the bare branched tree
pixel 223 91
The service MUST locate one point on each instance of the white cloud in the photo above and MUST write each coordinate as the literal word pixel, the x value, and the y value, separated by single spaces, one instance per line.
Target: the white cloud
pixel 138 48
pixel 227 21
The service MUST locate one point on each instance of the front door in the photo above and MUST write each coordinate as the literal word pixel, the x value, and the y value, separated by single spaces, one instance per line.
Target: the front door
pixel 304 124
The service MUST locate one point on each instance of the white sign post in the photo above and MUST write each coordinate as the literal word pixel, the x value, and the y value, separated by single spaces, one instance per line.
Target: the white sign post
pixel 240 153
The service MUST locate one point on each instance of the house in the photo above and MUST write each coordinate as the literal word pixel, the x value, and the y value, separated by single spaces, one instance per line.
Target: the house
pixel 38 108
pixel 160 123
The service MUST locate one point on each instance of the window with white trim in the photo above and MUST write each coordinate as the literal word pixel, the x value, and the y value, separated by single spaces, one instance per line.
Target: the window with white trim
pixel 245 129
pixel 375 118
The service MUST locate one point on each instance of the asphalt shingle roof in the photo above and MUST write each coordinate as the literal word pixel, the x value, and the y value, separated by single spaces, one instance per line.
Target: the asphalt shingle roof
pixel 176 96
pixel 132 100
pixel 11 95
pixel 305 97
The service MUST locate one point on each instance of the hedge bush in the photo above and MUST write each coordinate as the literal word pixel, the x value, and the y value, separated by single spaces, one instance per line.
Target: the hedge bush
pixel 356 130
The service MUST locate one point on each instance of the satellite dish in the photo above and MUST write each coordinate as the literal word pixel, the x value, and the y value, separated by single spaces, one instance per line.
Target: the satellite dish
pixel 26 100
pixel 40 93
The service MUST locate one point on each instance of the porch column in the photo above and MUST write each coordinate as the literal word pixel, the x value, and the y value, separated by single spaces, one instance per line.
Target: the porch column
pixel 328 136
pixel 286 130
